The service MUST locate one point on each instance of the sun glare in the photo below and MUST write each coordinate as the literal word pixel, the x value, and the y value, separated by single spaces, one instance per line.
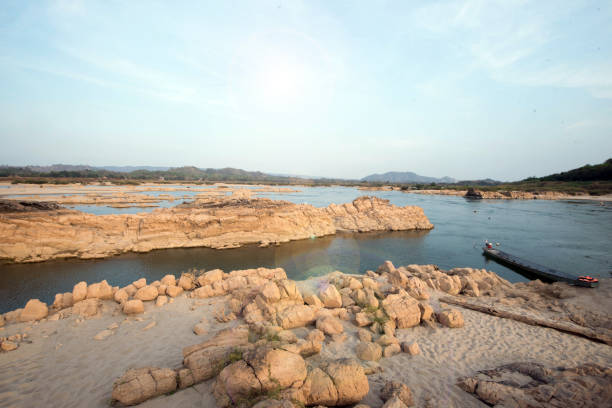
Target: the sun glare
pixel 279 82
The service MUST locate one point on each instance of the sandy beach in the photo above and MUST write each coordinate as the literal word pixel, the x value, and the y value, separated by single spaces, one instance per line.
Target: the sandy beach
pixel 61 364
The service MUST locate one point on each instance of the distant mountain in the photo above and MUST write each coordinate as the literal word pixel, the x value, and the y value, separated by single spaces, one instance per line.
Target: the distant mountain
pixel 597 172
pixel 127 169
pixel 405 177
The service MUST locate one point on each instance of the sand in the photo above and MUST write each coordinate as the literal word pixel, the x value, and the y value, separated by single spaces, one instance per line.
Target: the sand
pixel 65 367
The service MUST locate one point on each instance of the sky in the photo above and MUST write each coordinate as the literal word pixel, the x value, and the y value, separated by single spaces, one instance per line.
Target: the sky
pixel 468 89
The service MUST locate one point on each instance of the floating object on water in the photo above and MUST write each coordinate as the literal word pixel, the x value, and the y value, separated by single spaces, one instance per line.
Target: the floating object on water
pixel 536 270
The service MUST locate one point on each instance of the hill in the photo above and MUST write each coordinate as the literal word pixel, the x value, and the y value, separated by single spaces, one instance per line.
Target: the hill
pixel 405 177
pixel 598 172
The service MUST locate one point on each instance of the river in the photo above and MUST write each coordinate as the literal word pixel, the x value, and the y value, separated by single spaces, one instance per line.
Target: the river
pixel 573 236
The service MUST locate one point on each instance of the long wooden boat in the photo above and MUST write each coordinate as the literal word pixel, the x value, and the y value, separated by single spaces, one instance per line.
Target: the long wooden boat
pixel 539 271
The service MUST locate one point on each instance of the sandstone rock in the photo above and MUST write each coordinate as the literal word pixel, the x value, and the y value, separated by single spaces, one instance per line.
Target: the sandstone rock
pixel 100 290
pixel 210 277
pixel 426 311
pixel 134 306
pixel 403 309
pixel 411 348
pixel 330 297
pixel 270 292
pixel 287 336
pixel 185 378
pixel 369 283
pixel 121 296
pixel 186 281
pixel 139 283
pixel 316 335
pixel 362 319
pixel 130 289
pixel 8 345
pixel 387 267
pixel 34 310
pixel 161 289
pixel 450 318
pixel 204 359
pixel 168 280
pixel 349 378
pixel 87 308
pixel 174 291
pixel 389 328
pixel 295 316
pixel 368 351
pixel 364 335
pixel 236 382
pixel 150 325
pixel 397 389
pixel 202 223
pixel 329 325
pixel 62 300
pixel 146 293
pixel 313 300
pixel 391 350
pixel 161 300
pixel 319 389
pixel 79 292
pixel 2 321
pixel 276 367
pixel 138 385
pixel 386 340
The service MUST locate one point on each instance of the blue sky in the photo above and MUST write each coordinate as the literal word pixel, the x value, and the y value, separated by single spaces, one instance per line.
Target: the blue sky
pixel 469 89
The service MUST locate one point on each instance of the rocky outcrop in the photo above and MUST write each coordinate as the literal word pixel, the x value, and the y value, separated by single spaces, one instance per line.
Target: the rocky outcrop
pixel 21 206
pixel 535 385
pixel 138 385
pixel 217 223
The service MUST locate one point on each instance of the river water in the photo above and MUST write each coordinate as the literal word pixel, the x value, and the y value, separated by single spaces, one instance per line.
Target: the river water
pixel 573 236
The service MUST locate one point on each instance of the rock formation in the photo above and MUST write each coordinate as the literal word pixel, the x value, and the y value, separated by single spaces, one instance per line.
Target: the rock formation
pixel 215 223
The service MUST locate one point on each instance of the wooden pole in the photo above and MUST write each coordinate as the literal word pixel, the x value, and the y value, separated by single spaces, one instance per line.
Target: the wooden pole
pixel 534 321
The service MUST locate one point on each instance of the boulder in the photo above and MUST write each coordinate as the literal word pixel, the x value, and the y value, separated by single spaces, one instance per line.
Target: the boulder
pixel 330 297
pixel 403 309
pixel 313 300
pixel 295 316
pixel 168 280
pixel 210 277
pixel 134 306
pixel 148 292
pixel 62 300
pixel 319 389
pixel 329 325
pixel 138 385
pixel 87 308
pixel 349 379
pixel 386 340
pixel 426 311
pixel 100 290
pixel 236 382
pixel 79 292
pixel 362 319
pixel 8 345
pixel 34 310
pixel 121 296
pixel 103 335
pixel 368 351
pixel 200 329
pixel 364 335
pixel 174 291
pixel 450 318
pixel 316 335
pixel 276 367
pixel 131 289
pixel 398 390
pixel 186 281
pixel 270 292
pixel 161 300
pixel 387 267
pixel 139 283
pixel 391 350
pixel 411 348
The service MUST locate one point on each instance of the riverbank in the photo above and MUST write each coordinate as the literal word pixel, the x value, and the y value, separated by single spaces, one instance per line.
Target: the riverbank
pixel 220 223
pixel 514 195
pixel 357 317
